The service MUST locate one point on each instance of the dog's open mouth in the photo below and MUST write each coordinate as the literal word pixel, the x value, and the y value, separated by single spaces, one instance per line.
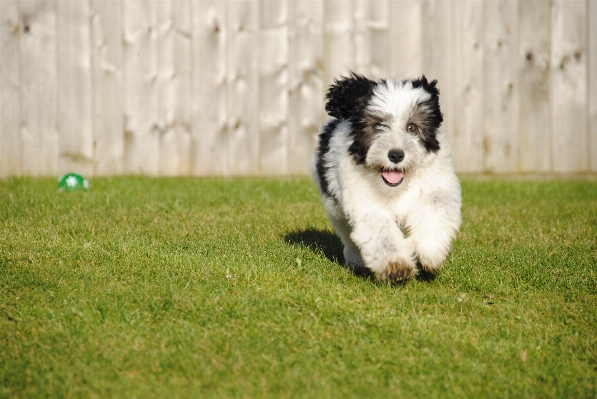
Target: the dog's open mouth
pixel 392 177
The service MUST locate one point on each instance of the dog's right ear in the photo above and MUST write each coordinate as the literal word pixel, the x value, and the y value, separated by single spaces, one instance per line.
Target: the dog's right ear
pixel 348 96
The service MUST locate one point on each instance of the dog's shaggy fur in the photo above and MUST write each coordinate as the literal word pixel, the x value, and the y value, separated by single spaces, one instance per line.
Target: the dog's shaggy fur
pixel 384 171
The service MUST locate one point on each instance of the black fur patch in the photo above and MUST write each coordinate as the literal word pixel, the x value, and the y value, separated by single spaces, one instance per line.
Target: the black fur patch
pixel 322 149
pixel 348 96
pixel 348 99
pixel 428 116
pixel 364 128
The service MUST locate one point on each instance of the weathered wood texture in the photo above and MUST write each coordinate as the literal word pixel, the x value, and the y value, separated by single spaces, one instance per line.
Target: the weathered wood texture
pixel 225 87
pixel 11 142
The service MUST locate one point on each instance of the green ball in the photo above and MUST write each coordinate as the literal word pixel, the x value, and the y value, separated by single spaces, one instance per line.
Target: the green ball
pixel 72 182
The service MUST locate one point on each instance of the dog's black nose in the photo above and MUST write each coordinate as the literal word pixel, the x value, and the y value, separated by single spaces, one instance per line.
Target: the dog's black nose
pixel 396 155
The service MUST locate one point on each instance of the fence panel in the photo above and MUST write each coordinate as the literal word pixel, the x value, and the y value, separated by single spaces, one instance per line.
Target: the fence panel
pixel 224 87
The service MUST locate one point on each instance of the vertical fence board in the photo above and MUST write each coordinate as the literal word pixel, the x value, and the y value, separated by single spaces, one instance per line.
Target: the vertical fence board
pixel 11 149
pixel 74 87
pixel 39 126
pixel 500 88
pixel 306 88
pixel 209 76
pixel 569 86
pixel 372 38
pixel 338 39
pixel 467 144
pixel 380 39
pixel 406 38
pixel 108 86
pixel 533 60
pixel 438 62
pixel 273 87
pixel 174 87
pixel 361 38
pixel 243 86
pixel 592 47
pixel 141 150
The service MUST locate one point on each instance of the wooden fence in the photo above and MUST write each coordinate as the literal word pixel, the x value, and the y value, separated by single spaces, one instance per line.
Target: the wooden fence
pixel 224 87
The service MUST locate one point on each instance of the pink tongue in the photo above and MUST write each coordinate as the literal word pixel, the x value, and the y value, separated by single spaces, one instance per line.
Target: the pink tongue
pixel 392 176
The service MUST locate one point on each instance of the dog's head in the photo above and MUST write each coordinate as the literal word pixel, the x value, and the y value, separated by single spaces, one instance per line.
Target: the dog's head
pixel 394 123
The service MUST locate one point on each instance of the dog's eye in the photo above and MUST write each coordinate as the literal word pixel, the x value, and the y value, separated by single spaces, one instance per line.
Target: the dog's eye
pixel 411 127
pixel 381 126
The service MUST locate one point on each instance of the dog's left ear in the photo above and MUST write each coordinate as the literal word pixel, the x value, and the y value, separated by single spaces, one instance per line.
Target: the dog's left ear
pixel 348 96
pixel 429 87
pixel 431 116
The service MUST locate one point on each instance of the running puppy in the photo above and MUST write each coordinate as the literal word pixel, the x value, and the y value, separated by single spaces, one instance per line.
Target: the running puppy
pixel 384 171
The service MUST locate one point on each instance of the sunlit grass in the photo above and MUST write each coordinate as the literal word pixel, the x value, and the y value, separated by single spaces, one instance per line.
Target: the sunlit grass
pixel 232 288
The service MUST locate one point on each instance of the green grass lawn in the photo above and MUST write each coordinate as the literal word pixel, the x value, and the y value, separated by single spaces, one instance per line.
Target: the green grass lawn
pixel 234 288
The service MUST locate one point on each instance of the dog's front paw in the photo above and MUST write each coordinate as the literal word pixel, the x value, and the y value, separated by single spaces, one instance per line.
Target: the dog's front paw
pixel 431 260
pixel 397 272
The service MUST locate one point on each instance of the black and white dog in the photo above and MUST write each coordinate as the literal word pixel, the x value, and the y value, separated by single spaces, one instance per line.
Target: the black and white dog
pixel 385 173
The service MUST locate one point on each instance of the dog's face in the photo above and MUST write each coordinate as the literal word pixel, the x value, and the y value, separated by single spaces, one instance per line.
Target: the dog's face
pixel 394 122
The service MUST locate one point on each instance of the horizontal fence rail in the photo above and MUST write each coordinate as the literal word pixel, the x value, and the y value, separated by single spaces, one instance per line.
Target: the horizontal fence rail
pixel 223 87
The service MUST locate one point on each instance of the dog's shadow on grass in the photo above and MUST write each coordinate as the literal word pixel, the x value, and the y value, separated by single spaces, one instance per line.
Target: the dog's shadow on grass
pixel 318 241
pixel 328 243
